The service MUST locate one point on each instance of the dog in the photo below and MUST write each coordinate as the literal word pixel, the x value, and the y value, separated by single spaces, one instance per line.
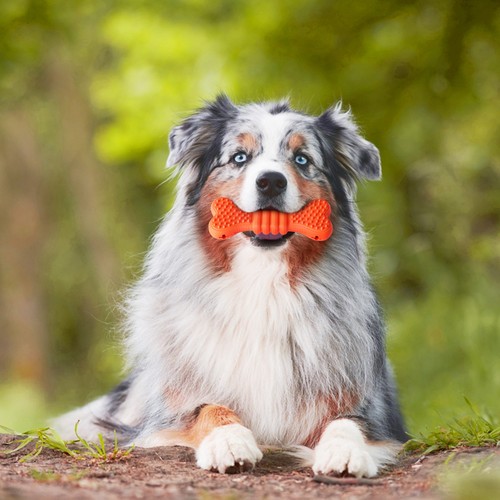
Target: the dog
pixel 258 340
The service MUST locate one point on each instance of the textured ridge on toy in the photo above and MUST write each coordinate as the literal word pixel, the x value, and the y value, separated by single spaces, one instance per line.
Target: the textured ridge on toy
pixel 312 221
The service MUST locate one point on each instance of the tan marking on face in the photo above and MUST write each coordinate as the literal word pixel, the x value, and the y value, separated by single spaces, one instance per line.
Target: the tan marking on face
pixel 308 189
pixel 296 141
pixel 301 252
pixel 247 141
pixel 218 252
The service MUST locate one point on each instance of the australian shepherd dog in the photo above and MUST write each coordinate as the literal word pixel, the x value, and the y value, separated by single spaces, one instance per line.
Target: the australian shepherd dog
pixel 259 340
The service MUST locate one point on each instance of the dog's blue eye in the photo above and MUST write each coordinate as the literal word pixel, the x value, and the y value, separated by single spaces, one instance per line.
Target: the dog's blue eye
pixel 240 158
pixel 301 160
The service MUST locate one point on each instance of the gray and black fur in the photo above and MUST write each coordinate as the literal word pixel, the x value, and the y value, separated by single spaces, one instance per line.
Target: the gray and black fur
pixel 198 307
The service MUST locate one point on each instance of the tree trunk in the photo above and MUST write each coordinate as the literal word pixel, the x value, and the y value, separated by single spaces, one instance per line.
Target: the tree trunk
pixel 23 325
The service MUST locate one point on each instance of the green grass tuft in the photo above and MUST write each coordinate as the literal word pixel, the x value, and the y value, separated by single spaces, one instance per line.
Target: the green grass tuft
pixel 99 450
pixel 468 430
pixel 47 438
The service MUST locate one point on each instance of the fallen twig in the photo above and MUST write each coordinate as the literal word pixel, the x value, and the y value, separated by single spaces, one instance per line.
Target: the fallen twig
pixel 346 481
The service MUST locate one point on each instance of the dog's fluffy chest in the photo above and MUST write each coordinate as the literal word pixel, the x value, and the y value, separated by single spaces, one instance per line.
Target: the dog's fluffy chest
pixel 251 342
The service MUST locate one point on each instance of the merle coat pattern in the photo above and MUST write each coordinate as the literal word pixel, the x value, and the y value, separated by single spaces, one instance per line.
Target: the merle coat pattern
pixel 236 345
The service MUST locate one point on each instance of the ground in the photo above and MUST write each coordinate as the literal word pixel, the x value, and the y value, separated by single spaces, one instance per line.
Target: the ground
pixel 172 473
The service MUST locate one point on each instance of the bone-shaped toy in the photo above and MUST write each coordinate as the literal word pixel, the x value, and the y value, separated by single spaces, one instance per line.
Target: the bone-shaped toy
pixel 312 221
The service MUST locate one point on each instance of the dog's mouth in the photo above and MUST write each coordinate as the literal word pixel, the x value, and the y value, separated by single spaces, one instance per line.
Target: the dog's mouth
pixel 268 227
pixel 268 240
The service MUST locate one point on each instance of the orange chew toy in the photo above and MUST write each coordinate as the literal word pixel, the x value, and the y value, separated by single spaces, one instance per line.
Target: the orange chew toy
pixel 312 221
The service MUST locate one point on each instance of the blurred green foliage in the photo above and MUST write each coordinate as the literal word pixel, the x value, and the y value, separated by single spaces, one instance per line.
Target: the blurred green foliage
pixel 94 87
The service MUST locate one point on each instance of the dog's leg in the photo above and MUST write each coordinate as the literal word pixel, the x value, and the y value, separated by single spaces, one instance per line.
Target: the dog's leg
pixel 343 448
pixel 221 442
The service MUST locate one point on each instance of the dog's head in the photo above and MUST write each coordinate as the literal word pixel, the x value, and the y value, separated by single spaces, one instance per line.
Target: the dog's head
pixel 267 156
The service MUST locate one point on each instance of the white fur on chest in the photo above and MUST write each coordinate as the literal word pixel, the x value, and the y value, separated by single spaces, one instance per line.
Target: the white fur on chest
pixel 237 338
pixel 247 339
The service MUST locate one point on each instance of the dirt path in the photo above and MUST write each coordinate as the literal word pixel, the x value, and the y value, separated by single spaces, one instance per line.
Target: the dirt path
pixel 171 473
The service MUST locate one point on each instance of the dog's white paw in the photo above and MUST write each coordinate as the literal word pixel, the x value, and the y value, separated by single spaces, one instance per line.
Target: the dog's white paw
pixel 340 456
pixel 228 448
pixel 342 448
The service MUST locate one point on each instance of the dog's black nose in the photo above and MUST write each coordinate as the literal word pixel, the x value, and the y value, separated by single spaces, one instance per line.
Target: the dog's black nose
pixel 271 183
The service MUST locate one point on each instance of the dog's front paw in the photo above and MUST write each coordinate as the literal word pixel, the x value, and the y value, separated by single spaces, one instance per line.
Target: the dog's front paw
pixel 340 456
pixel 342 449
pixel 229 448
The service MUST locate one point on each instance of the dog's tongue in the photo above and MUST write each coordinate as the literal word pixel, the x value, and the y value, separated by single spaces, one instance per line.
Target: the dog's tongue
pixel 269 236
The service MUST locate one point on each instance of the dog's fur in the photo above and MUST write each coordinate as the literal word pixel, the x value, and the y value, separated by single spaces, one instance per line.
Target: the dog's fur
pixel 247 340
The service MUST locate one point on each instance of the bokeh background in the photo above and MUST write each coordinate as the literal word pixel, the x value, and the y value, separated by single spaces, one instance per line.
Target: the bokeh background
pixel 88 92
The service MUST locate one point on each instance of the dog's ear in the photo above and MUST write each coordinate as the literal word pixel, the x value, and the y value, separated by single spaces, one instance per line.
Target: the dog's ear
pixel 359 157
pixel 190 141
